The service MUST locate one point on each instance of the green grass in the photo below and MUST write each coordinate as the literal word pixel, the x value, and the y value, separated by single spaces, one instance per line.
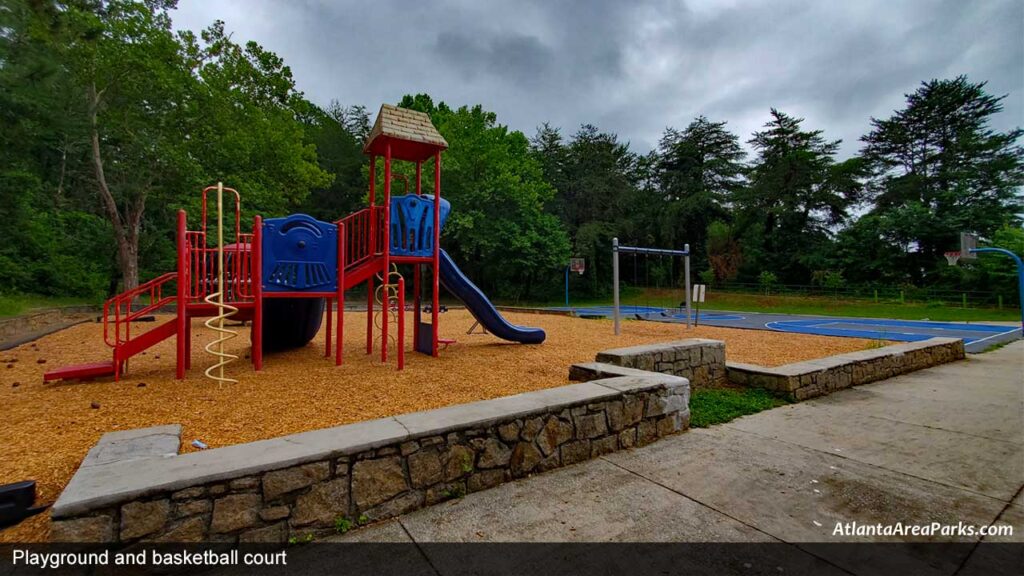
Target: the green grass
pixel 15 304
pixel 717 405
pixel 813 305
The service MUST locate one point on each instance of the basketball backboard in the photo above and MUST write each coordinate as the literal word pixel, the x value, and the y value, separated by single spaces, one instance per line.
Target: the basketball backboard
pixel 968 242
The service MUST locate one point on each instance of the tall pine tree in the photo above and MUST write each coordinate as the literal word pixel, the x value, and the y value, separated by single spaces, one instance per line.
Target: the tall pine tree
pixel 698 170
pixel 939 169
pixel 797 194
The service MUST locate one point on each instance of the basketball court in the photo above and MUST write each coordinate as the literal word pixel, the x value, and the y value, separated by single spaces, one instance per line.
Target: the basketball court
pixel 976 337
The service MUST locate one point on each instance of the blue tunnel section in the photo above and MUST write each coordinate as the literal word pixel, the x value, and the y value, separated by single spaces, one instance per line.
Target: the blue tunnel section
pixel 463 288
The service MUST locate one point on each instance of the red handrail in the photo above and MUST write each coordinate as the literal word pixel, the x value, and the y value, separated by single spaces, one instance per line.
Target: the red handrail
pixel 242 265
pixel 364 235
pixel 153 289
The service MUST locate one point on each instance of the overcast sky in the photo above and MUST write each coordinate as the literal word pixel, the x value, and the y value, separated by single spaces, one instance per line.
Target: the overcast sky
pixel 635 67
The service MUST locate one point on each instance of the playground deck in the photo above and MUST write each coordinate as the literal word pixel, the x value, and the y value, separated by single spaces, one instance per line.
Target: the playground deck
pixel 48 428
pixel 977 337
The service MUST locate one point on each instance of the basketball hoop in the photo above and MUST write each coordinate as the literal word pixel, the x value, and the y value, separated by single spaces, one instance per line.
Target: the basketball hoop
pixel 952 257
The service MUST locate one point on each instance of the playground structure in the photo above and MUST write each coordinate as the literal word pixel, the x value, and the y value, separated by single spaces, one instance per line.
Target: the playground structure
pixel 283 274
pixel 617 249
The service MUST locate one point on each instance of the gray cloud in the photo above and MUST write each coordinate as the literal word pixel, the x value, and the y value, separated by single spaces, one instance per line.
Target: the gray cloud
pixel 514 57
pixel 637 67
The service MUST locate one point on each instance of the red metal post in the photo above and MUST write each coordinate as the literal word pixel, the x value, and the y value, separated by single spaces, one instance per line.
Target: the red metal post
pixel 181 337
pixel 373 251
pixel 416 304
pixel 437 248
pixel 342 261
pixel 401 323
pixel 257 291
pixel 330 320
pixel 385 307
pixel 118 362
pixel 419 177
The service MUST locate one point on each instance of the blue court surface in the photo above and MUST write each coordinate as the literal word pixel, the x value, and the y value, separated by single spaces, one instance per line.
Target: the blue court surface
pixel 976 337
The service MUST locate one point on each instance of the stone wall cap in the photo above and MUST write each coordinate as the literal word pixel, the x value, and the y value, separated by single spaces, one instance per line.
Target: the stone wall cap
pixel 114 482
pixel 748 367
pixel 120 481
pixel 661 346
pixel 605 370
pixel 483 413
pixel 840 360
pixel 134 445
pixel 646 382
pixel 122 435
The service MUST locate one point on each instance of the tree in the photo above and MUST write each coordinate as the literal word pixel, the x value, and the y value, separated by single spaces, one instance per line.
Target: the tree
pixel 498 226
pixel 251 127
pixel 698 170
pixel 938 169
pixel 797 193
pixel 338 133
pixel 130 70
pixel 548 147
pixel 596 194
pixel 166 114
pixel 866 252
pixel 724 253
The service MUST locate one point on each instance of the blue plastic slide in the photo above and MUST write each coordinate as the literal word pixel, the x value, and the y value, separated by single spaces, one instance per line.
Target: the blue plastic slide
pixel 485 313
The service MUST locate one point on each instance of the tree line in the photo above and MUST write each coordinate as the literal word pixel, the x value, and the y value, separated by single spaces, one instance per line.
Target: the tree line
pixel 112 121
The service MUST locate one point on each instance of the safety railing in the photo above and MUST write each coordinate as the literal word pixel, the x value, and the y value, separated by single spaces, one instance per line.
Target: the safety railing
pixel 242 266
pixel 202 266
pixel 364 235
pixel 121 307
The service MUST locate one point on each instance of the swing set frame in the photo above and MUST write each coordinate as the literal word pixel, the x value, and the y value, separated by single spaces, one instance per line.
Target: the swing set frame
pixel 617 249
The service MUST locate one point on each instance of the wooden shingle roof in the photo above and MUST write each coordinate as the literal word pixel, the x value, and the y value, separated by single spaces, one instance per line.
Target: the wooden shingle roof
pixel 411 133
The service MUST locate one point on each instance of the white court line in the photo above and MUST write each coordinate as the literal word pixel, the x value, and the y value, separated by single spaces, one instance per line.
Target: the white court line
pixel 961 334
pixel 825 324
pixel 996 335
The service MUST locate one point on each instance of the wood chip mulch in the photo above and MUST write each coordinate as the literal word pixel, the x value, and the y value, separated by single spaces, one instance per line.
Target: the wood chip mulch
pixel 46 429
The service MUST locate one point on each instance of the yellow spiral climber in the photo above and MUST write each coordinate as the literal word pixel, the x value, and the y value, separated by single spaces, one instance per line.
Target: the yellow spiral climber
pixel 224 310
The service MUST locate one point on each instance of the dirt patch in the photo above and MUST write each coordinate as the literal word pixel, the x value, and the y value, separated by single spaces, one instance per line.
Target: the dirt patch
pixel 48 428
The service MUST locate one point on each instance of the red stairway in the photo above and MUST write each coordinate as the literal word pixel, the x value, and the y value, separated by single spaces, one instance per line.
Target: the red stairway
pixel 118 316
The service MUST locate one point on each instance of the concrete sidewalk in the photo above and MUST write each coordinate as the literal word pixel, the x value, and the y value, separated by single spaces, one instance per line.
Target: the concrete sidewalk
pixel 940 445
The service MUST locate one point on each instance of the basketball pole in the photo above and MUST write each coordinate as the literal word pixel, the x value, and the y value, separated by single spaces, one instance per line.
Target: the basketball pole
pixel 615 284
pixel 567 286
pixel 1020 274
pixel 686 272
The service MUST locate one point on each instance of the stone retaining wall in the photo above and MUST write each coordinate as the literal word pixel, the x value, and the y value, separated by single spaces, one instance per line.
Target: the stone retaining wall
pixel 20 329
pixel 134 487
pixel 700 361
pixel 802 380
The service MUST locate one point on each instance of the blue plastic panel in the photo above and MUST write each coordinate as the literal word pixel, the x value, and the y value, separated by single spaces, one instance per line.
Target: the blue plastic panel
pixel 412 224
pixel 300 254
